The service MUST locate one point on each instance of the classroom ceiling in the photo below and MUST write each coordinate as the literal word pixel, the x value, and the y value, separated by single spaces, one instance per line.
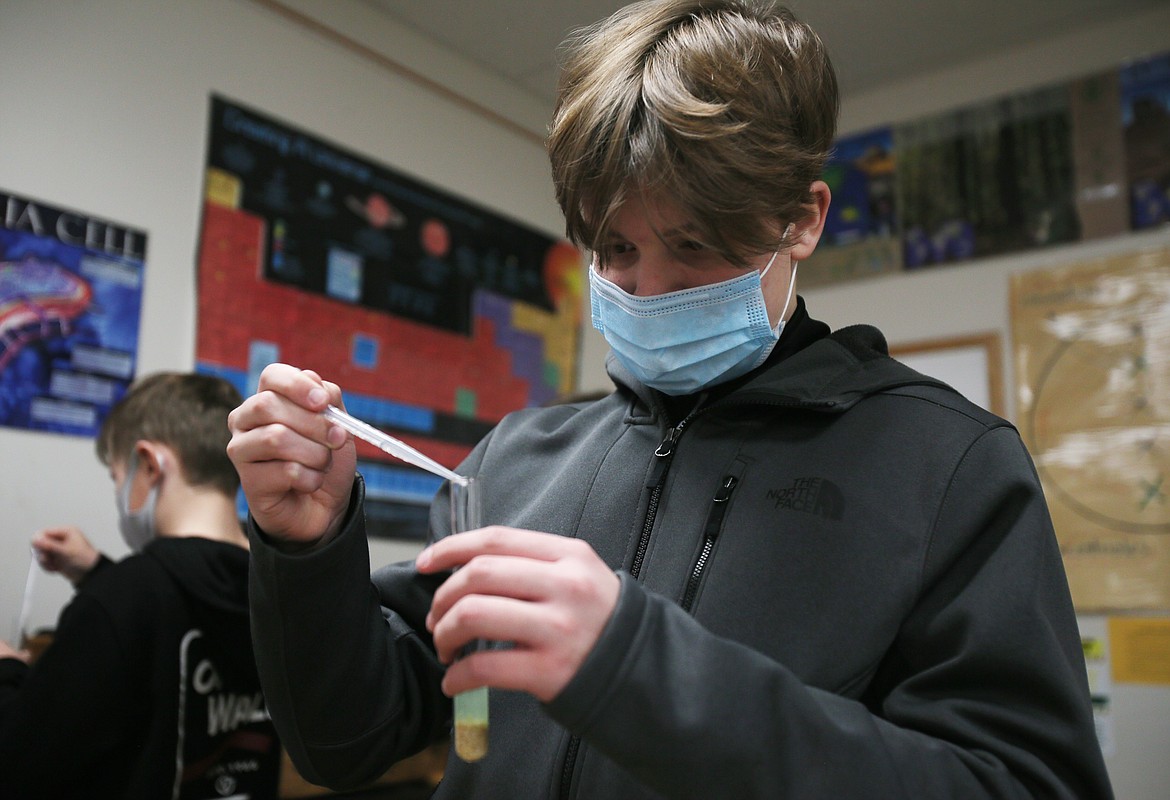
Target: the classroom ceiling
pixel 872 42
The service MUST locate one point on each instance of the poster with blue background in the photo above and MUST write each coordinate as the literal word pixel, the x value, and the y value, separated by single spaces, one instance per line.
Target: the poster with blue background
pixel 1145 115
pixel 860 176
pixel 70 303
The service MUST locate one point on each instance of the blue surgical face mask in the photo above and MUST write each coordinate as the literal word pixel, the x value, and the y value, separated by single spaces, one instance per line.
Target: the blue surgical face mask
pixel 137 527
pixel 686 341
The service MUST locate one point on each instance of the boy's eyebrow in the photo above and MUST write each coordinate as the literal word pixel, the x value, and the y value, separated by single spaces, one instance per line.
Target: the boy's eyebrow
pixel 684 228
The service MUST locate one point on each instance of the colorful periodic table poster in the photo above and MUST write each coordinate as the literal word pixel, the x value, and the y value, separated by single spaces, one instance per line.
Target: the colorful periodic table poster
pixel 435 316
pixel 1092 353
pixel 70 301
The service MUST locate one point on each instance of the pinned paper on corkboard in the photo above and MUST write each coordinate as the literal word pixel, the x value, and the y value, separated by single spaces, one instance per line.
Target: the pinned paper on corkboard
pixel 1141 649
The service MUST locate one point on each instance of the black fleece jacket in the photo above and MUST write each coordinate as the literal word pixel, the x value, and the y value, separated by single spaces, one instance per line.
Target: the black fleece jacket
pixel 148 690
pixel 838 580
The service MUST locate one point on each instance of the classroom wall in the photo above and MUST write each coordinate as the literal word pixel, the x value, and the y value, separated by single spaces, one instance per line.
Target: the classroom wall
pixel 103 108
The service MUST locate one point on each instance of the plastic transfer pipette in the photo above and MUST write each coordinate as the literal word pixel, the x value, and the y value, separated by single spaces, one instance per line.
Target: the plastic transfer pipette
pixel 395 447
pixel 26 602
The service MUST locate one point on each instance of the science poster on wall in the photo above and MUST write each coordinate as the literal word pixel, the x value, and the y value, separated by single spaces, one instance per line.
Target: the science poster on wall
pixel 1092 355
pixel 70 302
pixel 1145 93
pixel 861 238
pixel 986 180
pixel 1102 193
pixel 435 316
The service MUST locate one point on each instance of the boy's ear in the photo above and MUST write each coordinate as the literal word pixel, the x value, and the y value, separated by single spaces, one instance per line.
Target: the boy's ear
pixel 152 457
pixel 808 231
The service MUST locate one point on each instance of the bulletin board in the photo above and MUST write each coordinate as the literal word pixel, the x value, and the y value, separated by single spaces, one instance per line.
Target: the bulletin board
pixel 435 316
pixel 1092 360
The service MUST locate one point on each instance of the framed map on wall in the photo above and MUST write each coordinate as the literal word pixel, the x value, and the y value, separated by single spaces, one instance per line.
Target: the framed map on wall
pixel 1092 358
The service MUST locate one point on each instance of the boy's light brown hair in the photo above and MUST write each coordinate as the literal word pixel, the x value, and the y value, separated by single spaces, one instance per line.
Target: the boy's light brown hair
pixel 727 108
pixel 187 412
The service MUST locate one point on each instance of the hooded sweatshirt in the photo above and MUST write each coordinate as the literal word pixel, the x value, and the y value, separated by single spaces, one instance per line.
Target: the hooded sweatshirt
pixel 838 580
pixel 149 688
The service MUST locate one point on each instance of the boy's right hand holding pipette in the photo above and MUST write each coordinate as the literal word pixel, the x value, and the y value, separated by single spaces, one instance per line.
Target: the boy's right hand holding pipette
pixel 296 467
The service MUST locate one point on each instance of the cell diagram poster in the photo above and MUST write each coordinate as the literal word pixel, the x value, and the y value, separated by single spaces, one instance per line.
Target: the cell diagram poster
pixel 434 315
pixel 70 302
pixel 1092 355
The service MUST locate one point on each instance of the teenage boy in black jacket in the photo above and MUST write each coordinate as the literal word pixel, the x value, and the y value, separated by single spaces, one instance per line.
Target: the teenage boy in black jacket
pixel 149 688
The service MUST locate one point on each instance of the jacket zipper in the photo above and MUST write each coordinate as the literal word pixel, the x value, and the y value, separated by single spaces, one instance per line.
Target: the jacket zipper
pixel 710 533
pixel 662 458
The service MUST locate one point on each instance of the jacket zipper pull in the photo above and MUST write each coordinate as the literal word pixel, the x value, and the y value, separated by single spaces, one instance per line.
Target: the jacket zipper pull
pixel 662 457
pixel 666 448
pixel 710 534
pixel 724 492
pixel 715 518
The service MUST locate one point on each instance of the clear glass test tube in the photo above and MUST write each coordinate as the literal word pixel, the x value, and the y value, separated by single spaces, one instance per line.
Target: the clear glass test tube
pixel 471 707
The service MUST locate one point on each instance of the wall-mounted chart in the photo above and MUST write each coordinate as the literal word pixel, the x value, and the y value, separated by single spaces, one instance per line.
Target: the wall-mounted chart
pixel 436 316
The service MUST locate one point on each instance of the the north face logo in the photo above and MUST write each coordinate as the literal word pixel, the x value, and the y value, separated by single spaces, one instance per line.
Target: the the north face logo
pixel 812 496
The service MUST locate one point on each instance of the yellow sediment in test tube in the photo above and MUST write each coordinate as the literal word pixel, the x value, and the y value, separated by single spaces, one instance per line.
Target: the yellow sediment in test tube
pixel 471 724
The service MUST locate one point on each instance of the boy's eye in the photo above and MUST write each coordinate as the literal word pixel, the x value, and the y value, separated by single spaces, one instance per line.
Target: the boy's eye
pixel 690 244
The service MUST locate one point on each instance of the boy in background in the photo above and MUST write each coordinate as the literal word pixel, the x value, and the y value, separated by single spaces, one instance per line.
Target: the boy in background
pixel 149 688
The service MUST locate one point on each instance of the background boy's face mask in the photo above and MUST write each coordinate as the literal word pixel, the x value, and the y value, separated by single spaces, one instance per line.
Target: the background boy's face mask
pixel 137 527
pixel 685 341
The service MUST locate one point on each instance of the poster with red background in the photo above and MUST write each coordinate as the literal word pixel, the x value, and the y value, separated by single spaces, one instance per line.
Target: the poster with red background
pixel 435 316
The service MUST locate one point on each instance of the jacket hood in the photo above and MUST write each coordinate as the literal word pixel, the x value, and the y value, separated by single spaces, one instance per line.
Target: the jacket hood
pixel 214 574
pixel 832 373
pixel 835 372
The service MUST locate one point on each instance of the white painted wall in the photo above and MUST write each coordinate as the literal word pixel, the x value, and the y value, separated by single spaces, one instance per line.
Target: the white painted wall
pixel 103 108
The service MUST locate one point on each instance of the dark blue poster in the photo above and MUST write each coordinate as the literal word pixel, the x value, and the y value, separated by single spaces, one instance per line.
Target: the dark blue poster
pixel 860 176
pixel 70 301
pixel 989 179
pixel 345 228
pixel 1145 93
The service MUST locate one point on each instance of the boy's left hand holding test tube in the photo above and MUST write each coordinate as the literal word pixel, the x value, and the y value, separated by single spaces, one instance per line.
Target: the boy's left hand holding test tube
pixel 549 595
